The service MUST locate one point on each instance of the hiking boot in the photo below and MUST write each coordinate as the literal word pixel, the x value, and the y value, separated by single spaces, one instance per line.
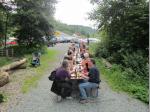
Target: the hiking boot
pixel 83 101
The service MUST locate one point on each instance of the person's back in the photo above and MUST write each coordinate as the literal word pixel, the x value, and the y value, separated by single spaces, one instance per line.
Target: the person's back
pixel 61 86
pixel 94 75
pixel 62 74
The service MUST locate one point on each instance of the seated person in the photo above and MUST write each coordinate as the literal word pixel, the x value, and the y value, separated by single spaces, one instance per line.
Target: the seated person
pixel 93 82
pixel 86 62
pixel 73 47
pixel 36 58
pixel 84 70
pixel 82 49
pixel 82 53
pixel 70 59
pixel 61 86
pixel 70 54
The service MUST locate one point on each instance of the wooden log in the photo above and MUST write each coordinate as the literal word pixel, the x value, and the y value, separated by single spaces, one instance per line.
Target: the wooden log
pixel 13 65
pixel 23 66
pixel 4 78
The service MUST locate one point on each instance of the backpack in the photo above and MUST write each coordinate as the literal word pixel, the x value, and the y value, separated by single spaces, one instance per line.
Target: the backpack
pixel 52 76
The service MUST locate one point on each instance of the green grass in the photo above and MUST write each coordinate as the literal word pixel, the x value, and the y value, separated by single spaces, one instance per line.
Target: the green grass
pixel 5 61
pixel 32 80
pixel 3 97
pixel 119 81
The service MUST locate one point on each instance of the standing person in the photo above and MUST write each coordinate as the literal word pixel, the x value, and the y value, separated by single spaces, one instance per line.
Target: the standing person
pixel 61 85
pixel 93 82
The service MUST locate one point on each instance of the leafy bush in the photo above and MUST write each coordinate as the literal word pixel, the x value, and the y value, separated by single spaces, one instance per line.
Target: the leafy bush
pixel 136 65
pixel 139 92
pixel 21 50
pixel 102 51
pixel 119 80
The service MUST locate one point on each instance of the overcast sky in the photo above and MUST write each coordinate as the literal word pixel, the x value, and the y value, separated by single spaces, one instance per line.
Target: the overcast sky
pixel 73 12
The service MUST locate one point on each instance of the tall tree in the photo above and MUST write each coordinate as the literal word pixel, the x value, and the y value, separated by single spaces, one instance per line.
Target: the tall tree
pixel 126 24
pixel 5 12
pixel 32 20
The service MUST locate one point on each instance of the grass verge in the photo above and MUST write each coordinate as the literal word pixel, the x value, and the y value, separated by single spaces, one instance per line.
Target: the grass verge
pixel 32 80
pixel 119 81
pixel 5 61
pixel 3 97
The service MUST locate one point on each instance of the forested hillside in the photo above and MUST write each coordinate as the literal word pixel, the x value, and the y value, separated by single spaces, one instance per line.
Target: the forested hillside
pixel 71 29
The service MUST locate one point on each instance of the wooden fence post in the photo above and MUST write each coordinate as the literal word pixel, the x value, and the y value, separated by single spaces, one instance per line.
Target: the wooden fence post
pixel 12 52
pixel 6 52
pixel 9 52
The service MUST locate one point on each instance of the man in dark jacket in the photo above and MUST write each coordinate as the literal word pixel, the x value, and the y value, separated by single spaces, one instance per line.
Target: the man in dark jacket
pixel 93 82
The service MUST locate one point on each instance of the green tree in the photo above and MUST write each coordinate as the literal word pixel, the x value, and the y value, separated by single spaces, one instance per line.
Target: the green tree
pixel 2 25
pixel 125 23
pixel 124 32
pixel 5 12
pixel 124 27
pixel 32 21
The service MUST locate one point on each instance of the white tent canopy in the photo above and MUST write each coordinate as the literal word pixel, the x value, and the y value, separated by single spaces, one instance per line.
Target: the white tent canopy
pixel 12 38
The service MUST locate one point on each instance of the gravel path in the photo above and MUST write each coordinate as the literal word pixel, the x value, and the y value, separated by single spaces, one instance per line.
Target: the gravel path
pixel 40 99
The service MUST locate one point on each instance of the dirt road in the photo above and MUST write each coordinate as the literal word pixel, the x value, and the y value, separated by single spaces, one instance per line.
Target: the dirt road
pixel 40 99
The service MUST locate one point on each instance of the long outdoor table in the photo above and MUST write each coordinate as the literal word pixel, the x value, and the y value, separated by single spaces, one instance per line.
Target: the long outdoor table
pixel 76 80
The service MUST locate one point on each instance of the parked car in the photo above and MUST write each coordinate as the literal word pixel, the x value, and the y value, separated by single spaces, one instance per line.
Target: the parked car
pixel 62 39
pixel 52 42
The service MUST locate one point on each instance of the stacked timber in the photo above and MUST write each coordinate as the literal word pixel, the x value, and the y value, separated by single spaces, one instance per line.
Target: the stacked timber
pixel 4 75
